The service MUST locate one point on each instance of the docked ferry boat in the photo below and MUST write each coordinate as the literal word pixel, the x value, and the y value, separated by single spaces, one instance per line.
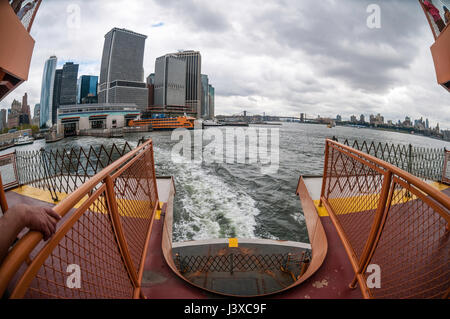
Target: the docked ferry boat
pixel 170 123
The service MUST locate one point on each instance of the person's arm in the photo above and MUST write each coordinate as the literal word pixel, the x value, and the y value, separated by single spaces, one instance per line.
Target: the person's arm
pixel 42 219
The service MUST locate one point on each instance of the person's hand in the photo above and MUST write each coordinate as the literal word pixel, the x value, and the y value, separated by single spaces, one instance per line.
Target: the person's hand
pixel 41 219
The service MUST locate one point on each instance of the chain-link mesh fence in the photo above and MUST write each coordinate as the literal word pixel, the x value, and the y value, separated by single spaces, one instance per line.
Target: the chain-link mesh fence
pixel 8 170
pixel 64 170
pixel 426 163
pixel 99 249
pixel 242 262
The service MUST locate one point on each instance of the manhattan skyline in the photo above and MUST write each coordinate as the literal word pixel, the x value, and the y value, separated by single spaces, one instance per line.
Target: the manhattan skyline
pixel 281 58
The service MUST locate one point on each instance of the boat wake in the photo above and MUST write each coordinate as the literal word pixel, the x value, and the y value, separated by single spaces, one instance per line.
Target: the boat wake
pixel 206 207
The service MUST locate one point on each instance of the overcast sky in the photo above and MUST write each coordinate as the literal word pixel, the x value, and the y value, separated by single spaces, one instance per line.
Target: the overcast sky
pixel 281 57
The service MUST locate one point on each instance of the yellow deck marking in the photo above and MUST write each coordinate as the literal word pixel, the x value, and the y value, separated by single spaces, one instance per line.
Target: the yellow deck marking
pixel 322 211
pixel 233 243
pixel 356 204
pixel 158 211
pixel 439 186
pixel 39 194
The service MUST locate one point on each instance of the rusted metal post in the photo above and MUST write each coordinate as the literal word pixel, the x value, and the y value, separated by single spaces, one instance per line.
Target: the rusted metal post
pixel 379 215
pixel 16 174
pixel 410 149
pixel 325 171
pixel 115 218
pixel 47 176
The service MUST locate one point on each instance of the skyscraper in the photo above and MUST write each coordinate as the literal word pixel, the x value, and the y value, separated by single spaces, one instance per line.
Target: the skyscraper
pixel 362 119
pixel 37 110
pixel 205 97
pixel 170 81
pixel 193 79
pixel 122 72
pixel 48 79
pixel 151 89
pixel 151 78
pixel 211 101
pixel 56 94
pixel 14 114
pixel 36 114
pixel 87 86
pixel 26 109
pixel 69 84
pixel 64 88
pixel 3 122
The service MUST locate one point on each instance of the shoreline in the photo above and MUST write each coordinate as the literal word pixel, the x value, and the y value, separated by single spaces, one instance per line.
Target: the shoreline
pixel 394 130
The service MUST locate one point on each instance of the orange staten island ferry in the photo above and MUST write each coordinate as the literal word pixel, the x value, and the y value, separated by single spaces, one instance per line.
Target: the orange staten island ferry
pixel 170 123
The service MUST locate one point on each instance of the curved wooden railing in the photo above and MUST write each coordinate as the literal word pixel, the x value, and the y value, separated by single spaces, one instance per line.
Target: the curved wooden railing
pixel 104 231
pixel 388 218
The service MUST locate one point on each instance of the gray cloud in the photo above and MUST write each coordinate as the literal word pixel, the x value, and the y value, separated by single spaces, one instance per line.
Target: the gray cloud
pixel 335 36
pixel 200 15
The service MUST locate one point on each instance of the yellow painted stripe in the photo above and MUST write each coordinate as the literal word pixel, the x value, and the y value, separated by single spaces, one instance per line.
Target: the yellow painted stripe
pixel 42 195
pixel 233 243
pixel 122 204
pixel 322 211
pixel 439 186
pixel 362 203
pixel 158 211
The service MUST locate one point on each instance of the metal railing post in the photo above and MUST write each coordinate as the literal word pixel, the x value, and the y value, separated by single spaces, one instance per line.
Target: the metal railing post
pixel 115 219
pixel 445 178
pixel 377 223
pixel 410 148
pixel 16 173
pixel 325 171
pixel 47 177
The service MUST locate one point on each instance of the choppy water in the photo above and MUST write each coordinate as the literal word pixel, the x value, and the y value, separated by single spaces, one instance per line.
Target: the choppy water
pixel 223 200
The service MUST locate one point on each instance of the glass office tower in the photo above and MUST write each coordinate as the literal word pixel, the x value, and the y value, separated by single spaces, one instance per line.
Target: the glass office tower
pixel 87 86
pixel 68 93
pixel 205 97
pixel 193 80
pixel 122 70
pixel 48 79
